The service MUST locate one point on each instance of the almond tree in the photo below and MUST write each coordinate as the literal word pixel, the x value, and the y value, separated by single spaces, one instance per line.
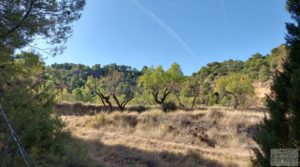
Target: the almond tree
pixel 120 89
pixel 175 80
pixel 155 82
pixel 239 86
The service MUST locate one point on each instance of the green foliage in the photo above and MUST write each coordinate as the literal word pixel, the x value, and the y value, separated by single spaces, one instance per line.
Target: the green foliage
pixel 22 21
pixel 153 79
pixel 72 76
pixel 277 57
pixel 258 67
pixel 64 95
pixel 175 75
pixel 264 73
pixel 191 90
pixel 29 103
pixel 121 90
pixel 25 94
pixel 82 94
pixel 215 70
pixel 155 82
pixel 255 64
pixel 97 87
pixel 281 130
pixel 114 86
pixel 238 86
pixel 206 94
pixel 175 80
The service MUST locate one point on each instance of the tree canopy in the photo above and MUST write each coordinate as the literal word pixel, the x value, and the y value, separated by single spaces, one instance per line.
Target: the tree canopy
pixel 236 85
pixel 22 21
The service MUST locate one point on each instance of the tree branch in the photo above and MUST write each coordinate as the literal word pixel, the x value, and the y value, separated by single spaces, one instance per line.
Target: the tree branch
pixel 31 2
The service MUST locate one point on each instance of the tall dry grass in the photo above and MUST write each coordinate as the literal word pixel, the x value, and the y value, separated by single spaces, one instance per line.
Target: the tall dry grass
pixel 214 128
pixel 216 136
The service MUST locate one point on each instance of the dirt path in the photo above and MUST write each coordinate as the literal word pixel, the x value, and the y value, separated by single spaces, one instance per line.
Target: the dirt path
pixel 114 144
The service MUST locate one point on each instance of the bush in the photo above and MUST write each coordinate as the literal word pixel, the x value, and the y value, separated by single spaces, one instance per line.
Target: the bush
pixel 169 106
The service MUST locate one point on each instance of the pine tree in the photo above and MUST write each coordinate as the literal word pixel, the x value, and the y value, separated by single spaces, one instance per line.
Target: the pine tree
pixel 25 96
pixel 282 128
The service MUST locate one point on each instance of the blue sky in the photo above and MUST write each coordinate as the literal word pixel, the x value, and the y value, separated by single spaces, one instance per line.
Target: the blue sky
pixel 161 32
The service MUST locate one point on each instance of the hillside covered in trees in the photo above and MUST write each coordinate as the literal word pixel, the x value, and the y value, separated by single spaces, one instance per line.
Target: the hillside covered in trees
pixel 214 83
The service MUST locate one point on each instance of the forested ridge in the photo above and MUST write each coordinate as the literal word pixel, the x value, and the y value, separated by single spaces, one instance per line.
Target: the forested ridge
pixel 260 67
pixel 76 82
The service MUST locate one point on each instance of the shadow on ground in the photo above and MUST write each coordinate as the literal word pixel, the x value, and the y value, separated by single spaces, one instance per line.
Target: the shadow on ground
pixel 119 155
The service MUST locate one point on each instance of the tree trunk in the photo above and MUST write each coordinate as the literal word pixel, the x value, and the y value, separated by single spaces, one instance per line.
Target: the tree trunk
pixel 236 103
pixel 194 101
pixel 164 96
pixel 103 102
pixel 101 98
pixel 179 101
pixel 155 96
pixel 13 29
pixel 109 103
pixel 161 100
pixel 107 100
pixel 125 102
pixel 121 107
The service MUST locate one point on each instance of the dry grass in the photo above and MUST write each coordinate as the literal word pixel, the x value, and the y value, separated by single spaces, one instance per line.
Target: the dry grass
pixel 215 137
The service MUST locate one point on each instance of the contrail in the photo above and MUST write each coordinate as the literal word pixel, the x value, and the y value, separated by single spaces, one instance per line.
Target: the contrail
pixel 224 8
pixel 166 27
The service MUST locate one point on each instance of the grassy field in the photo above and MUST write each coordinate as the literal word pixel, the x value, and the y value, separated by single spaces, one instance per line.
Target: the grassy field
pixel 212 137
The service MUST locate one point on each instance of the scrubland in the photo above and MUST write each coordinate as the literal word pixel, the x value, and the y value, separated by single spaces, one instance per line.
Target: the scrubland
pixel 204 137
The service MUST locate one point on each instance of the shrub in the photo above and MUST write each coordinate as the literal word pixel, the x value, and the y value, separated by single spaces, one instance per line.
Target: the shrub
pixel 169 106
